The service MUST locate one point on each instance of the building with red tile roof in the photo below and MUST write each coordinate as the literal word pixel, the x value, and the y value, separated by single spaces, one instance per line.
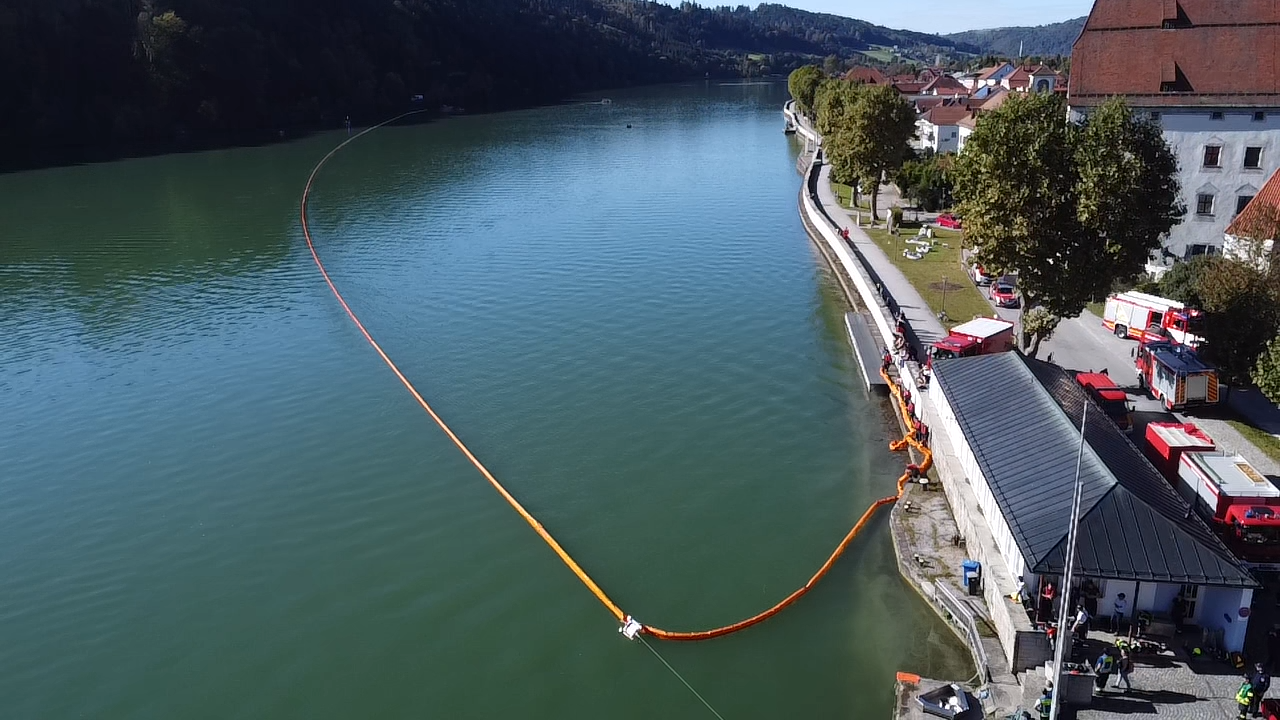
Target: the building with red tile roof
pixel 944 85
pixel 866 76
pixel 1031 78
pixel 938 129
pixel 1252 234
pixel 1208 71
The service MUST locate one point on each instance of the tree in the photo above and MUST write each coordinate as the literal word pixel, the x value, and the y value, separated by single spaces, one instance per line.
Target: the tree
pixel 803 85
pixel 832 105
pixel 1182 282
pixel 831 65
pixel 1266 372
pixel 1241 315
pixel 871 140
pixel 927 181
pixel 1071 208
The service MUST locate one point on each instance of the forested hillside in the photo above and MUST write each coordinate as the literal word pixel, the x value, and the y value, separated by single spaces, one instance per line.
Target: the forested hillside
pixel 87 75
pixel 1041 40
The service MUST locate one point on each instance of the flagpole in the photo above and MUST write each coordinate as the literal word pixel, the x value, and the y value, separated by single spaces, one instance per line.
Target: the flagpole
pixel 1073 530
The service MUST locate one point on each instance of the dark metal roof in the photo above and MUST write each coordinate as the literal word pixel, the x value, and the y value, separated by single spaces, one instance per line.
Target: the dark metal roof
pixel 1017 415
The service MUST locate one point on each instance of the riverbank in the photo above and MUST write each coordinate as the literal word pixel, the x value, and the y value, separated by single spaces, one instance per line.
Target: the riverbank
pixel 926 534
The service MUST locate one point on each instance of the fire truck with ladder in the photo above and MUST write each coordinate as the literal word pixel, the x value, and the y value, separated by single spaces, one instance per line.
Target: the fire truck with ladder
pixel 1148 318
pixel 1239 503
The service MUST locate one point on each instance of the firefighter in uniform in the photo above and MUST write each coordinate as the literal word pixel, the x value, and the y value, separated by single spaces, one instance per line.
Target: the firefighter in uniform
pixel 1045 704
pixel 1244 696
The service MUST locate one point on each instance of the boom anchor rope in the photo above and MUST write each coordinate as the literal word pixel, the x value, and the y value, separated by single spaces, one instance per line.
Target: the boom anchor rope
pixel 631 628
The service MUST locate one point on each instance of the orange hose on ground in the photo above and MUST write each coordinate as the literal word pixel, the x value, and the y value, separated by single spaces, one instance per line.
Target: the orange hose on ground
pixel 531 520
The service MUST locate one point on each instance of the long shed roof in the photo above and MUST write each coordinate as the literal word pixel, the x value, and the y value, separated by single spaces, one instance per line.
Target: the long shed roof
pixel 1021 419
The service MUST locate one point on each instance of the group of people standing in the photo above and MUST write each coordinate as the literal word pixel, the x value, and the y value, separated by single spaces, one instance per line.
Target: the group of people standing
pixel 1255 686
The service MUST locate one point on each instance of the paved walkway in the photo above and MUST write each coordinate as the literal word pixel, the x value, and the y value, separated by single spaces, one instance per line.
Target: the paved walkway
pixel 925 325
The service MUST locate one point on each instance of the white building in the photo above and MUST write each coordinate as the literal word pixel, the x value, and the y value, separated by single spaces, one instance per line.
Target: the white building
pixel 939 128
pixel 1209 73
pixel 1137 535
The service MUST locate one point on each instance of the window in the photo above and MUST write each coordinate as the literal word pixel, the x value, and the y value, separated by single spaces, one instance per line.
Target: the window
pixel 1215 116
pixel 1204 204
pixel 1253 158
pixel 1155 116
pixel 1259 116
pixel 1212 156
pixel 1241 201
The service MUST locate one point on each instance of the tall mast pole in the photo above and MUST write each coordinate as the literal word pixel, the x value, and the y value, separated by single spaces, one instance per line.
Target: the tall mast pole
pixel 1073 531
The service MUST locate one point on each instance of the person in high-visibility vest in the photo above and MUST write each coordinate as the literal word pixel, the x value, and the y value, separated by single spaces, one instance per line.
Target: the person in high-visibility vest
pixel 1244 696
pixel 1045 704
pixel 1103 666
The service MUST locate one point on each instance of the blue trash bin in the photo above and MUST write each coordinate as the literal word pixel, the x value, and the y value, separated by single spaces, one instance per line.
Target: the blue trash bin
pixel 971 577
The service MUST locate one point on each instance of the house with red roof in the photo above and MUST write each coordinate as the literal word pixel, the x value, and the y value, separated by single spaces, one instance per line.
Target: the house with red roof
pixel 1252 234
pixel 1031 78
pixel 939 128
pixel 1208 71
pixel 944 85
pixel 866 76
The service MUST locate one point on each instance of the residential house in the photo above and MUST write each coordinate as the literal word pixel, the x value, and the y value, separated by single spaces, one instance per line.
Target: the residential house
pixel 866 76
pixel 939 129
pixel 1037 78
pixel 1137 535
pixel 1208 71
pixel 1251 235
pixel 964 128
pixel 995 74
pixel 944 85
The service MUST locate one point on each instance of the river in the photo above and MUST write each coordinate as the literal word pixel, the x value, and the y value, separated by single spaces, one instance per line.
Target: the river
pixel 217 502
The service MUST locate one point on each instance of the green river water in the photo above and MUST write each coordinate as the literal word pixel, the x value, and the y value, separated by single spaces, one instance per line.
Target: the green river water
pixel 217 502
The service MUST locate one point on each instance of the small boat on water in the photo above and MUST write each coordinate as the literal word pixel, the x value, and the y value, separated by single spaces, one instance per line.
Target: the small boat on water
pixel 790 129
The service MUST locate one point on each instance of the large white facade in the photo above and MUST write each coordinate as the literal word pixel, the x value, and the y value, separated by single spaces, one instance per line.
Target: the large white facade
pixel 939 138
pixel 1216 184
pixel 1238 175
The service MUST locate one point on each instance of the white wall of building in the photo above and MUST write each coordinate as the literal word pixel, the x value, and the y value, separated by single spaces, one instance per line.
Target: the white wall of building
pixel 1219 609
pixel 963 137
pixel 1009 551
pixel 1189 131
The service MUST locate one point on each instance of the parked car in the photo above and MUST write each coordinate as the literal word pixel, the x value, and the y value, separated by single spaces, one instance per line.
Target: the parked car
pixel 947 220
pixel 980 275
pixel 1004 292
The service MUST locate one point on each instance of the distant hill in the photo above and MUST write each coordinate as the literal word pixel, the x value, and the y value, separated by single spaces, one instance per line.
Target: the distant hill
pixel 1055 39
pixel 96 74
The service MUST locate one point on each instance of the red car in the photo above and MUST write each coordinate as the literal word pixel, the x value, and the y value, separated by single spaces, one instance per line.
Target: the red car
pixel 947 220
pixel 1004 292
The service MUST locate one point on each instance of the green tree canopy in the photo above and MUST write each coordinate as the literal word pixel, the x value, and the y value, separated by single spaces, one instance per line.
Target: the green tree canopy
pixel 1266 372
pixel 803 85
pixel 927 181
pixel 833 105
pixel 1241 315
pixel 1071 208
pixel 871 139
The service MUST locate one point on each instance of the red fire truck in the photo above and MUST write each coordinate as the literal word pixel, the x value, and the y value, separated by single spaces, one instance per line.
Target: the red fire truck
pixel 1237 501
pixel 1148 318
pixel 1176 375
pixel 1113 400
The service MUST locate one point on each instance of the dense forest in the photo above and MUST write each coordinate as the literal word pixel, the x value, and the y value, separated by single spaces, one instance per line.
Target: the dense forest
pixel 1042 40
pixel 94 76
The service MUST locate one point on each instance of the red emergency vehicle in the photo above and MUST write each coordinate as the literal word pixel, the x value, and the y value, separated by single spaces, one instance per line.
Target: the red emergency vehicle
pixel 1239 503
pixel 979 336
pixel 1113 400
pixel 1148 318
pixel 1175 375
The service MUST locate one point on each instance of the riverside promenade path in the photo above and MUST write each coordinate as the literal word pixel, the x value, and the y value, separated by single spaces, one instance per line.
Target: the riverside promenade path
pixel 923 323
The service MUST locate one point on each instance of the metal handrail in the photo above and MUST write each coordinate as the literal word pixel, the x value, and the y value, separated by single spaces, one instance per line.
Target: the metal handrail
pixel 960 613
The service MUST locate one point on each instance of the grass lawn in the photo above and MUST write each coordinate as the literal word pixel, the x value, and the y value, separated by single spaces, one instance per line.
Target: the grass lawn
pixel 844 193
pixel 1097 307
pixel 1266 442
pixel 963 300
pixel 881 53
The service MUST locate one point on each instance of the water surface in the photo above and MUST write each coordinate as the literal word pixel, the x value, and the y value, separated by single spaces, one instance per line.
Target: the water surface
pixel 216 502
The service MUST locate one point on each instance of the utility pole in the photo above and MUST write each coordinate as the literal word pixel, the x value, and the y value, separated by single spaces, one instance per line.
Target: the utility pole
pixel 1073 530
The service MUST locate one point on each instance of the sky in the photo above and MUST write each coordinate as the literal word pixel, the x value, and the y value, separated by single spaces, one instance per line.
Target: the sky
pixel 941 16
